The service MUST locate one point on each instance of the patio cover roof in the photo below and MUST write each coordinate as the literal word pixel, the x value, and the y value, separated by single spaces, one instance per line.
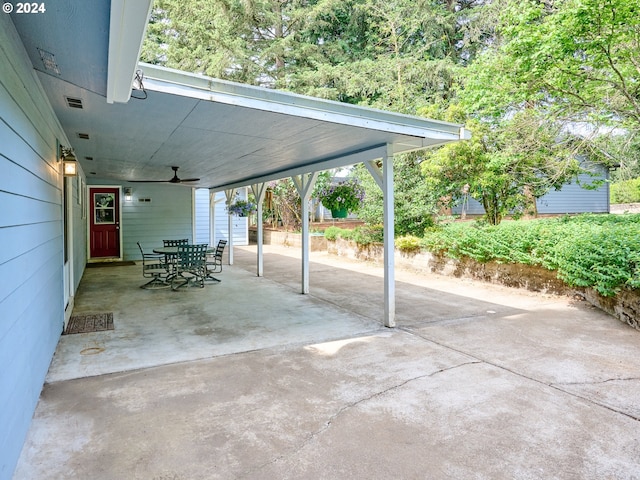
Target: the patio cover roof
pixel 224 133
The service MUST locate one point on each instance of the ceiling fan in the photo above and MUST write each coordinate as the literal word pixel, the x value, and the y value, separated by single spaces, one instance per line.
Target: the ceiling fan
pixel 175 178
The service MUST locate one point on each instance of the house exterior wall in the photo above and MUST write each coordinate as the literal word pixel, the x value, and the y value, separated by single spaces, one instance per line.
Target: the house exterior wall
pixel 571 199
pixel 201 213
pixel 31 258
pixel 221 219
pixel 167 215
pixel 575 199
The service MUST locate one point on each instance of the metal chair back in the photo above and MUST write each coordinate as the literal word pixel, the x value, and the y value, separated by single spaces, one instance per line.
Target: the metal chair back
pixel 175 243
pixel 214 262
pixel 191 265
pixel 155 268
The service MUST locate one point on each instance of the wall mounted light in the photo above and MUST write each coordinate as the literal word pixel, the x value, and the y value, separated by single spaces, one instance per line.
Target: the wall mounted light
pixel 70 168
pixel 128 194
pixel 69 162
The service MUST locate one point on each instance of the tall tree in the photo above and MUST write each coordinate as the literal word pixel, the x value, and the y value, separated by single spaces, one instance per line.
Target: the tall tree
pixel 505 166
pixel 249 41
pixel 579 59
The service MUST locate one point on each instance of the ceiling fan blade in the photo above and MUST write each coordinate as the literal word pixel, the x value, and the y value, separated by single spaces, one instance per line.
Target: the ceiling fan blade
pixel 175 179
pixel 147 181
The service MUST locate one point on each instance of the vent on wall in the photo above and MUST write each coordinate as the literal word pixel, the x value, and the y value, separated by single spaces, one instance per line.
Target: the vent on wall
pixel 84 136
pixel 74 102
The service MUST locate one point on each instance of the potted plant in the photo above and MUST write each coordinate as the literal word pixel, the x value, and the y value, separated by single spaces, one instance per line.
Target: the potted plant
pixel 342 198
pixel 242 208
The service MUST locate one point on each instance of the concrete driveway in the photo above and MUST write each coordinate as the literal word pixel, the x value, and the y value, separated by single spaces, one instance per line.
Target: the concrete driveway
pixel 477 382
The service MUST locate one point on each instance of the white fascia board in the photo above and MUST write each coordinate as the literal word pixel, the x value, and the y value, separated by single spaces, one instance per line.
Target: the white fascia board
pixel 342 161
pixel 175 82
pixel 127 26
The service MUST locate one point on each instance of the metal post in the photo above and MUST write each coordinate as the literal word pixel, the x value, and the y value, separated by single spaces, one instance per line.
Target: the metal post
pixel 384 179
pixel 259 190
pixel 304 184
pixel 389 241
pixel 230 194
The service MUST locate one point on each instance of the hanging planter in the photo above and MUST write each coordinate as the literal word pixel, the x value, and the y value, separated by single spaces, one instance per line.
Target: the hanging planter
pixel 339 213
pixel 242 208
pixel 343 198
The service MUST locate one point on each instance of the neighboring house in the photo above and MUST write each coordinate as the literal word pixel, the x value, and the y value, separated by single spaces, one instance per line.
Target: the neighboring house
pixel 572 198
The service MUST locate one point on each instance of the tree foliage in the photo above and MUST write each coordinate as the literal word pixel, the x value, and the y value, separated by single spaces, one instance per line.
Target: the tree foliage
pixel 505 166
pixel 577 58
pixel 526 76
pixel 415 204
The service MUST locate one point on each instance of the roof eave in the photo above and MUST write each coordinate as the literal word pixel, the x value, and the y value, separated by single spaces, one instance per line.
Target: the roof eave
pixel 176 82
pixel 127 26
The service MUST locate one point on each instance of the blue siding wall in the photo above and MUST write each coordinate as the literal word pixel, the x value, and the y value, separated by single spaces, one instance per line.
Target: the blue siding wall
pixel 572 198
pixel 240 225
pixel 168 215
pixel 31 257
pixel 220 218
pixel 575 199
pixel 201 200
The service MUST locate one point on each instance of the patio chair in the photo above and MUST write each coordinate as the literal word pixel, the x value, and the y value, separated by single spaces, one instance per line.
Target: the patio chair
pixel 171 259
pixel 214 261
pixel 175 243
pixel 191 266
pixel 155 268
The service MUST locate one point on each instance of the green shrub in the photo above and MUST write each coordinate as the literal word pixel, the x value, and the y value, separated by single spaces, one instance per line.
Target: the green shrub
pixel 368 234
pixel 627 191
pixel 408 244
pixel 599 251
pixel 331 233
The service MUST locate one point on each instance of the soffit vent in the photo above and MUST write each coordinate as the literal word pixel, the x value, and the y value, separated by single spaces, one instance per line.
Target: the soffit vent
pixel 84 136
pixel 74 102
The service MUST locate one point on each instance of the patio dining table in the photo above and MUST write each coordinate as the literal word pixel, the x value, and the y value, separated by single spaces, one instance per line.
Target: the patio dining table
pixel 172 252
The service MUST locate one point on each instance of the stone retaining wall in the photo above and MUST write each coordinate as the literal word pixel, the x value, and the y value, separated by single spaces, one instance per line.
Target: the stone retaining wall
pixel 288 239
pixel 624 306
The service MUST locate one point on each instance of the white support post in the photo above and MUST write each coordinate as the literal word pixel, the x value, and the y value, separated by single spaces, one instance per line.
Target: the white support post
pixel 304 184
pixel 212 209
pixel 384 179
pixel 230 194
pixel 259 190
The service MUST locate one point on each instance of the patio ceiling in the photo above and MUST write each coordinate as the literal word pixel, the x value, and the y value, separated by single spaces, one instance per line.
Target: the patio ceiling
pixel 224 133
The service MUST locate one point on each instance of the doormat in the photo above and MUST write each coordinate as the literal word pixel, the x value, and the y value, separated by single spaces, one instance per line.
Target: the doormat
pixel 91 322
pixel 110 264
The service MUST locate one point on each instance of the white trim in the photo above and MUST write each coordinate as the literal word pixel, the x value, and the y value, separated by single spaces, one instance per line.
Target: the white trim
pixel 127 26
pixel 328 164
pixel 304 184
pixel 259 190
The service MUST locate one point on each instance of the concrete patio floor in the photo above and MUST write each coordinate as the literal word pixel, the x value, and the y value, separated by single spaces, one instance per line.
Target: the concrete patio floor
pixel 250 379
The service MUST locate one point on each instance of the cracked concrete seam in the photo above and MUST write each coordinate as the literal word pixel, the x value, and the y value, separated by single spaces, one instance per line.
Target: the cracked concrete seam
pixel 630 379
pixel 327 424
pixel 556 386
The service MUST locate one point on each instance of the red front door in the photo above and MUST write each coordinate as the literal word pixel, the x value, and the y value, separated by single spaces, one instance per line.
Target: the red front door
pixel 104 230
